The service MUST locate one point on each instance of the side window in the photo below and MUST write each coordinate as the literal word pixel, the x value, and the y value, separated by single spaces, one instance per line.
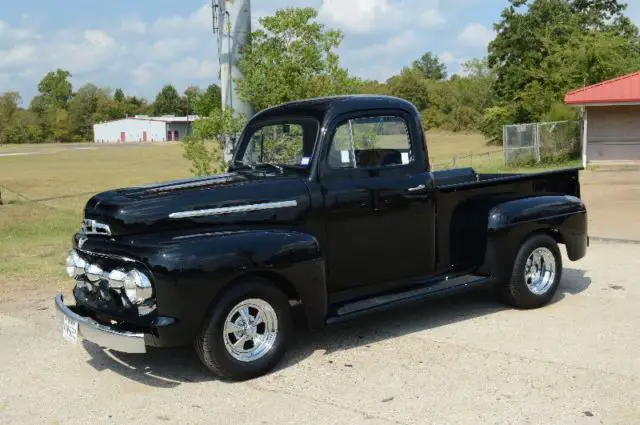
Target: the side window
pixel 366 142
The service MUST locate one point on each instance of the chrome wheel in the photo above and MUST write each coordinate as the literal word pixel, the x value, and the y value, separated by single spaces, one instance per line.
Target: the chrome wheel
pixel 540 271
pixel 250 330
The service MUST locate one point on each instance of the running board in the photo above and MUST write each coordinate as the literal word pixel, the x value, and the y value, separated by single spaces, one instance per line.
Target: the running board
pixel 383 302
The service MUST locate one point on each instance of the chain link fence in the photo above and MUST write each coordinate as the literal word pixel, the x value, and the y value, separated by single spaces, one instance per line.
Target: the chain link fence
pixel 542 143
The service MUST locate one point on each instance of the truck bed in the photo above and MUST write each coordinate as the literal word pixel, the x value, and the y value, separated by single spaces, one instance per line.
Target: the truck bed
pixel 465 197
pixel 458 178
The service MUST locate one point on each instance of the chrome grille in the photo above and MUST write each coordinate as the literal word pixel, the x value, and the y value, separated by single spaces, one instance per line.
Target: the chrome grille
pixel 92 227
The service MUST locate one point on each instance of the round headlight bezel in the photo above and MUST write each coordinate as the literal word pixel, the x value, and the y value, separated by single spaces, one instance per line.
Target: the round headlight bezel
pixel 137 286
pixel 75 265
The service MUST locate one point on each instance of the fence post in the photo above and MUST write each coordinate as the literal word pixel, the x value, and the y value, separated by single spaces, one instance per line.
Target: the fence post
pixel 504 143
pixel 536 141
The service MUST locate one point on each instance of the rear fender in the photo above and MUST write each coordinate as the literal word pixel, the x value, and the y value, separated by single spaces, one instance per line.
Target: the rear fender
pixel 510 223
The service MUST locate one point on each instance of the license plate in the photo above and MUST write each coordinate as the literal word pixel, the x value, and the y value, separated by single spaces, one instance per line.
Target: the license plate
pixel 70 330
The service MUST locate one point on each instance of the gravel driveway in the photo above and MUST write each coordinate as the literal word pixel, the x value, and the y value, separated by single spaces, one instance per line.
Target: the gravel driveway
pixel 464 360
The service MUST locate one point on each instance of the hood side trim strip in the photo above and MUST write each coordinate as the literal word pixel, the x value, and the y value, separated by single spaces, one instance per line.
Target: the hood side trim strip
pixel 234 210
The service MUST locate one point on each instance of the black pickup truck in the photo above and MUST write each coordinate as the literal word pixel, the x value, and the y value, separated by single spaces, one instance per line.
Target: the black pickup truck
pixel 329 204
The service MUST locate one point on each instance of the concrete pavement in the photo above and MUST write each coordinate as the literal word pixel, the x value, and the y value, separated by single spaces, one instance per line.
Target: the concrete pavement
pixel 463 360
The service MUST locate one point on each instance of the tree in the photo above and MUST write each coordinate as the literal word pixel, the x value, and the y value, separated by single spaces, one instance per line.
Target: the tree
pixel 190 98
pixel 412 85
pixel 292 57
pixel 89 105
pixel 431 67
pixel 56 89
pixel 205 148
pixel 168 102
pixel 9 107
pixel 208 101
pixel 119 96
pixel 544 48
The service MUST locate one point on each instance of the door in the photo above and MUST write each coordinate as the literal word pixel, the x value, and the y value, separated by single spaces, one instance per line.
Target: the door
pixel 379 204
pixel 144 136
pixel 123 136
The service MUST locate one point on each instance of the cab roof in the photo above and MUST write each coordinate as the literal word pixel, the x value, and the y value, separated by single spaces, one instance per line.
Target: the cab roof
pixel 320 107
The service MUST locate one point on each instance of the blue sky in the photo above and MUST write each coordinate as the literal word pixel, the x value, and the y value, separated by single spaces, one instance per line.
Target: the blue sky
pixel 143 44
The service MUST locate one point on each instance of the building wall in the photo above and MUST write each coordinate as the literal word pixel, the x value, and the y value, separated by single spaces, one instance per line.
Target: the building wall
pixel 613 133
pixel 110 132
pixel 183 129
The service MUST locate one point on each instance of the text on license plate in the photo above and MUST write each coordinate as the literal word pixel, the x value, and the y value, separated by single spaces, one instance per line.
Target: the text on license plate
pixel 70 330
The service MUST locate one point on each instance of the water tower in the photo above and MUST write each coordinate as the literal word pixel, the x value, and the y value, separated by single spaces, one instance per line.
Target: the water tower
pixel 232 26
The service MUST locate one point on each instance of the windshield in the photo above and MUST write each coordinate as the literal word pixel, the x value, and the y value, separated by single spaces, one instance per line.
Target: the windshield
pixel 285 143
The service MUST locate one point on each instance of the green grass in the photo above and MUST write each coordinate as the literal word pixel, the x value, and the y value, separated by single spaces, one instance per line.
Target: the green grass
pixel 34 236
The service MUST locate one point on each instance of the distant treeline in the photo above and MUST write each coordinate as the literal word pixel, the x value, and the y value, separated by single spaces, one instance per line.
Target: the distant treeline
pixel 543 49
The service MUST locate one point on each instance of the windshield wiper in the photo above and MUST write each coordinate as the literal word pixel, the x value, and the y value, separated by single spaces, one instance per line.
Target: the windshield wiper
pixel 276 166
pixel 242 164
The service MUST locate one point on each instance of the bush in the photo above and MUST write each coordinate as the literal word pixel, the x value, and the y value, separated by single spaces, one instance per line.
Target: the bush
pixel 493 121
pixel 206 156
pixel 205 148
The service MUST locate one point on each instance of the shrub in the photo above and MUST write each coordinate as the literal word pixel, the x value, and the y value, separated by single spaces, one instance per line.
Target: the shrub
pixel 205 148
pixel 493 121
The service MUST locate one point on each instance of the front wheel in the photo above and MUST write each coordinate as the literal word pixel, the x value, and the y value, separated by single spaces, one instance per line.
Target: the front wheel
pixel 536 273
pixel 247 331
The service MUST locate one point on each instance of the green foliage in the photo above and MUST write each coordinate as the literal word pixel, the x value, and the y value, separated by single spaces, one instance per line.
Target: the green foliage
pixel 56 89
pixel 430 67
pixel 493 121
pixel 168 102
pixel 209 100
pixel 89 105
pixel 205 148
pixel 560 112
pixel 206 156
pixel 544 48
pixel 292 58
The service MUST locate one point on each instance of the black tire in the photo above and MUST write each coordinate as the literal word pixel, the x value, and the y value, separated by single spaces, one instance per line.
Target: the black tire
pixel 210 342
pixel 516 292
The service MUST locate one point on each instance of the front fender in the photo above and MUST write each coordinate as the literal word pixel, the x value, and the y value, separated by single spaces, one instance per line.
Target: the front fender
pixel 510 223
pixel 208 262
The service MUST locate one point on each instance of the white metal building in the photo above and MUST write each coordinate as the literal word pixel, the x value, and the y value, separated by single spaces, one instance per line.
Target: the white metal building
pixel 142 128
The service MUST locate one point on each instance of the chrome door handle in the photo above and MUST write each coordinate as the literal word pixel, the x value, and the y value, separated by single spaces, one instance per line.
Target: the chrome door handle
pixel 417 188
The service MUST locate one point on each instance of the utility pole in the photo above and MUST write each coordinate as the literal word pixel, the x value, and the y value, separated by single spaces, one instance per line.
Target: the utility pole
pixel 232 26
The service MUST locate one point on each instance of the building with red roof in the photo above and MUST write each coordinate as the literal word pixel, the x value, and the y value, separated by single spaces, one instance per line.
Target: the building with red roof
pixel 612 118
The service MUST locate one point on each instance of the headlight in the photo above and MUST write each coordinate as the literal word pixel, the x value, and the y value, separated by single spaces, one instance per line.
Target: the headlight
pixel 94 273
pixel 75 265
pixel 116 279
pixel 137 286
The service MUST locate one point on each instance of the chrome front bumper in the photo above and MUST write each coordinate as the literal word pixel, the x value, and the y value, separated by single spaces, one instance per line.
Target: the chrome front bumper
pixel 104 336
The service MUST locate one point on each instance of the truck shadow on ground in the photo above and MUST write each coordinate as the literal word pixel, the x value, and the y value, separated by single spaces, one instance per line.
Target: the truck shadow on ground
pixel 171 367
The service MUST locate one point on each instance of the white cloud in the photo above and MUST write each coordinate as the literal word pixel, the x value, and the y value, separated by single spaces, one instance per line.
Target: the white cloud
pixel 142 74
pixel 198 21
pixel 359 16
pixel 80 55
pixel 447 58
pixel 133 25
pixel 7 32
pixel 17 56
pixel 391 47
pixel 476 35
pixel 431 18
pixel 190 69
pixel 170 47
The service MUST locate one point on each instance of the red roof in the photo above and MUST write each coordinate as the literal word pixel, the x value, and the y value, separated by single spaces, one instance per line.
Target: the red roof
pixel 625 89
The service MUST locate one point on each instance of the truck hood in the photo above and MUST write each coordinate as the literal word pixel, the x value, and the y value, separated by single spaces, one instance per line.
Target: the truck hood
pixel 227 199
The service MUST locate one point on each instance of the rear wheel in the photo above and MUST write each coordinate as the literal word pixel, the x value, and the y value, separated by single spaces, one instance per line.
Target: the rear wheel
pixel 247 331
pixel 536 273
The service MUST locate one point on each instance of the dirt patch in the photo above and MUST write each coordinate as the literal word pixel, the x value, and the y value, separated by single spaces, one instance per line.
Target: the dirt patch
pixel 613 203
